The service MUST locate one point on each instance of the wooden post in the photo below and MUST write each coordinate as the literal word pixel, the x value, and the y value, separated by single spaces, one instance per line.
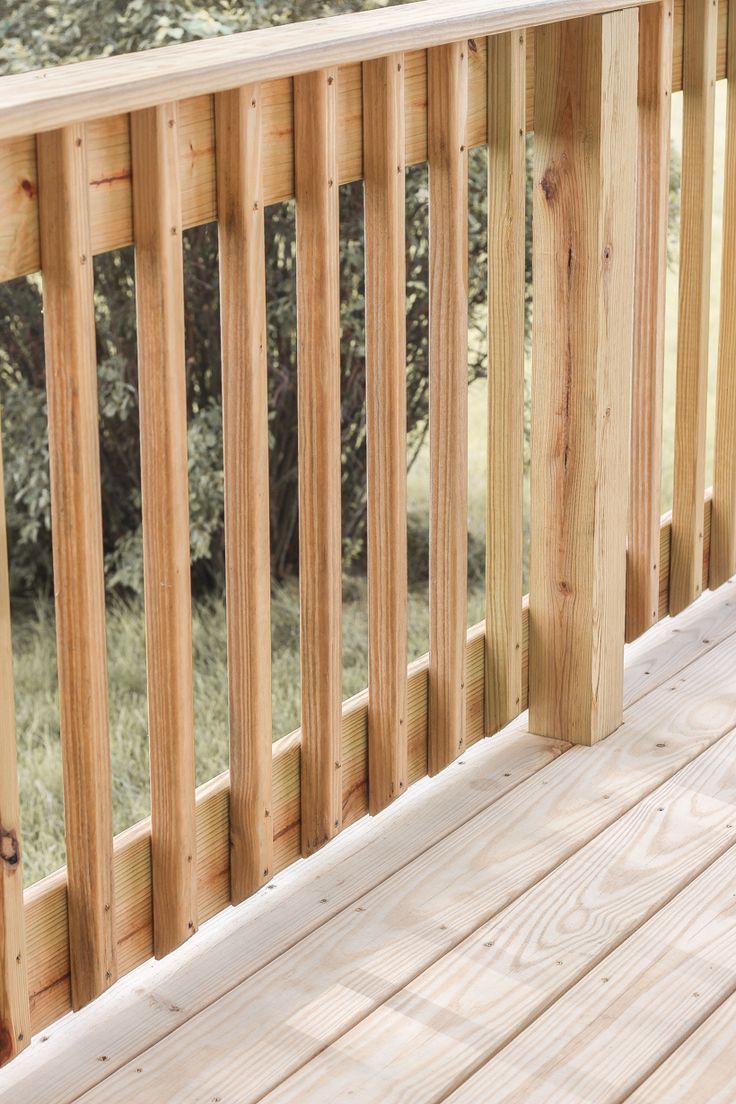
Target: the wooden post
pixel 385 330
pixel 320 549
pixel 696 217
pixel 584 194
pixel 506 279
pixel 15 1013
pixel 245 444
pixel 76 528
pixel 165 497
pixel 447 91
pixel 723 519
pixel 654 95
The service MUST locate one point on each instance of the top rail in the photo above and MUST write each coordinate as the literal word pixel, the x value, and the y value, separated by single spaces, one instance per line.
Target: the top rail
pixel 49 98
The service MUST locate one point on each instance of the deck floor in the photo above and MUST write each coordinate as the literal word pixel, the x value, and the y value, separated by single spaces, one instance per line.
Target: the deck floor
pixel 539 923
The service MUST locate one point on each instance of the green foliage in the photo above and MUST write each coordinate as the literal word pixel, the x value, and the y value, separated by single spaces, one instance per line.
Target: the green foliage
pixel 76 30
pixel 35 36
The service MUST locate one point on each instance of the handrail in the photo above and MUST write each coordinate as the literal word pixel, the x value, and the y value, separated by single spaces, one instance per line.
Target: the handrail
pixel 48 98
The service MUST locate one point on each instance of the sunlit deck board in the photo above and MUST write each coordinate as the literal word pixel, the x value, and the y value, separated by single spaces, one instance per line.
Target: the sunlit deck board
pixel 702 1070
pixel 158 997
pixel 590 817
pixel 600 1039
pixel 476 999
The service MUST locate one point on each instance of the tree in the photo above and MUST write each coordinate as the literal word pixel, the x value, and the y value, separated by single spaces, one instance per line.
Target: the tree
pixel 78 29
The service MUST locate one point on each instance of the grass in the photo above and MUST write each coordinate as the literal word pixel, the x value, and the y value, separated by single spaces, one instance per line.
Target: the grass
pixel 39 759
pixel 35 648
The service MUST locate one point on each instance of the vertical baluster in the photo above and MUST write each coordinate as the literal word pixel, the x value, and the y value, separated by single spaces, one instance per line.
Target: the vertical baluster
pixel 15 1014
pixel 320 559
pixel 76 526
pixel 585 190
pixel 655 88
pixel 385 326
pixel 245 435
pixel 698 82
pixel 447 92
pixel 506 279
pixel 165 501
pixel 723 519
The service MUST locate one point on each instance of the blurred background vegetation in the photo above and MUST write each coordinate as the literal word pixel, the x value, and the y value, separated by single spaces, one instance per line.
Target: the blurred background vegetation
pixel 33 35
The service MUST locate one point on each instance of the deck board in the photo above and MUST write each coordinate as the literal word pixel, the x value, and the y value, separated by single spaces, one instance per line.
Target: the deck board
pixel 155 999
pixel 623 1019
pixel 302 1002
pixel 361 975
pixel 474 1001
pixel 702 1070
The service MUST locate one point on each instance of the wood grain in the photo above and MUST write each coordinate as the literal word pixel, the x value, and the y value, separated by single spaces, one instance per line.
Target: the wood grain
pixel 304 1000
pixel 696 210
pixel 655 657
pixel 165 502
pixel 72 93
pixel 702 1069
pixel 76 529
pixel 109 150
pixel 600 1040
pixel 318 367
pixel 650 277
pixel 489 988
pixel 723 541
pixel 506 320
pixel 585 177
pixel 15 1014
pixel 154 1001
pixel 149 1005
pixel 238 117
pixel 385 351
pixel 447 92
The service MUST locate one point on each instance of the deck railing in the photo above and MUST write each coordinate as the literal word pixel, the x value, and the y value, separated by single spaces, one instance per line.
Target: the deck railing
pixel 218 130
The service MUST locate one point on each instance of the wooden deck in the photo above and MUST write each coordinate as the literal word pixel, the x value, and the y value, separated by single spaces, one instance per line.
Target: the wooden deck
pixel 539 923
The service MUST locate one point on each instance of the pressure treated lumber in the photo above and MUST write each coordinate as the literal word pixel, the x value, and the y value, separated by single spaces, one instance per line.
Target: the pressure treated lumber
pixel 15 1013
pixel 238 116
pixel 650 276
pixel 165 503
pixel 601 1039
pixel 150 1005
pixel 483 993
pixel 42 100
pixel 318 990
pixel 585 168
pixel 702 1070
pixel 385 352
pixel 723 539
pixel 76 530
pixel 447 94
pixel 108 144
pixel 696 216
pixel 318 368
pixel 655 657
pixel 506 318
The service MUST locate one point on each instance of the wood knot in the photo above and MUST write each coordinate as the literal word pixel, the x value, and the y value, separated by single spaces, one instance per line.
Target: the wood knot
pixel 28 187
pixel 9 847
pixel 548 187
